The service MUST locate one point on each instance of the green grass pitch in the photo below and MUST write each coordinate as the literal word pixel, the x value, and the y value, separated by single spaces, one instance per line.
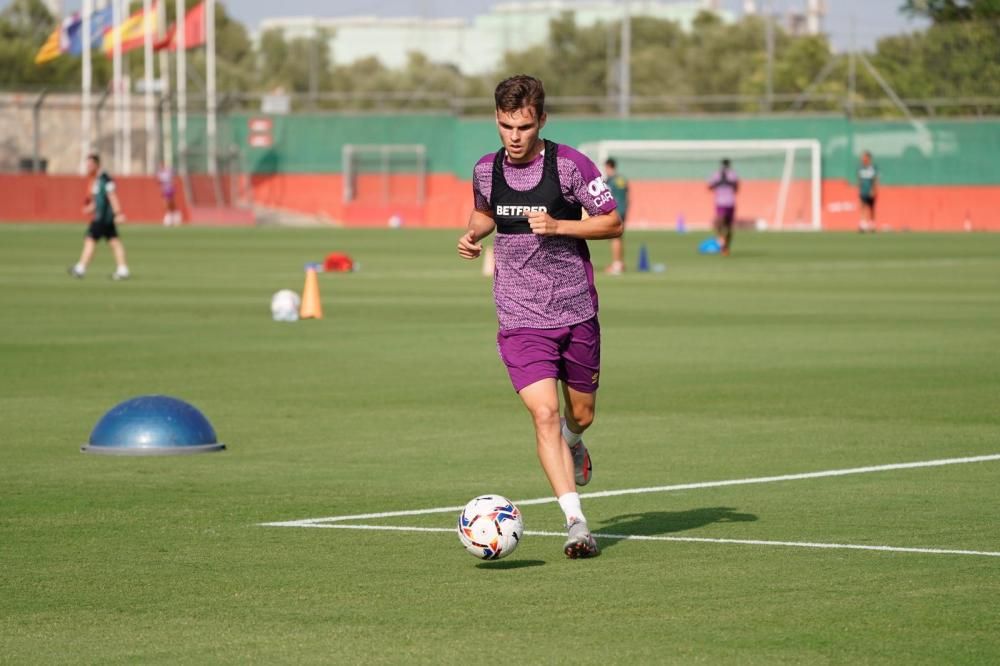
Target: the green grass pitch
pixel 800 353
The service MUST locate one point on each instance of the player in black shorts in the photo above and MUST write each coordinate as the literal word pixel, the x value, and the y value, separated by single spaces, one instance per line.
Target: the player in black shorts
pixel 867 191
pixel 105 210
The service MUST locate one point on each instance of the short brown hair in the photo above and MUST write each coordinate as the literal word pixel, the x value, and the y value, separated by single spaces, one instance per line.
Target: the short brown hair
pixel 519 91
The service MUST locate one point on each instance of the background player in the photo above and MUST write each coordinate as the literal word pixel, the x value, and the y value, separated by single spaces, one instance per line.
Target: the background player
pixel 724 184
pixel 867 189
pixel 105 210
pixel 618 185
pixel 533 193
pixel 171 216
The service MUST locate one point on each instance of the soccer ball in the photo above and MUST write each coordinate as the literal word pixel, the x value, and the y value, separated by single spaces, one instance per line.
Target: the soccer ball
pixel 490 527
pixel 285 305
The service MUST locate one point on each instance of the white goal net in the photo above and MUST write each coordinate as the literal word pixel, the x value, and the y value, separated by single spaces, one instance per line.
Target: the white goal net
pixel 780 181
pixel 382 174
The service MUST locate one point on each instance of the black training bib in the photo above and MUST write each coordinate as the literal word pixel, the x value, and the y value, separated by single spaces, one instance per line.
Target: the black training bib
pixel 511 207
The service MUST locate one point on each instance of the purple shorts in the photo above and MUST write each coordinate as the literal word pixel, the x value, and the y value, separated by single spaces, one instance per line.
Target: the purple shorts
pixel 725 213
pixel 570 353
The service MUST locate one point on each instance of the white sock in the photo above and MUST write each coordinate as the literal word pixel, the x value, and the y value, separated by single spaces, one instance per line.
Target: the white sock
pixel 80 268
pixel 122 270
pixel 572 438
pixel 570 504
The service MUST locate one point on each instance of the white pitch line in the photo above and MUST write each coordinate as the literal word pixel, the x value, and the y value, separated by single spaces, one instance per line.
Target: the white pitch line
pixel 644 537
pixel 658 489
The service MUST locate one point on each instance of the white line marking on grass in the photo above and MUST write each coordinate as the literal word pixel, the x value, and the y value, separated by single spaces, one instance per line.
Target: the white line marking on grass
pixel 308 522
pixel 644 537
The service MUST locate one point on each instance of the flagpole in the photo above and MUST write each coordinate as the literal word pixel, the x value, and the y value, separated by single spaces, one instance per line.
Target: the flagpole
pixel 116 81
pixel 126 103
pixel 86 84
pixel 167 153
pixel 181 46
pixel 147 64
pixel 210 127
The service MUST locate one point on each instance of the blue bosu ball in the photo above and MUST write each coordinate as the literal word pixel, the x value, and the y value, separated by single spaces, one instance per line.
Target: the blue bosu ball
pixel 710 246
pixel 153 425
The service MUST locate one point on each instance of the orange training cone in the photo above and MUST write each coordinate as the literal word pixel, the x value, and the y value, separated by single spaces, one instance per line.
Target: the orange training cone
pixel 311 307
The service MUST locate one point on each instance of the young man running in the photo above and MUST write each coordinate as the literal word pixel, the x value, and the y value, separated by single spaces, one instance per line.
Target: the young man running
pixel 532 192
pixel 103 205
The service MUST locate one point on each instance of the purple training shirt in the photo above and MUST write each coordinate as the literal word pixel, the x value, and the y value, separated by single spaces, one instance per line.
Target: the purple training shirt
pixel 725 194
pixel 544 281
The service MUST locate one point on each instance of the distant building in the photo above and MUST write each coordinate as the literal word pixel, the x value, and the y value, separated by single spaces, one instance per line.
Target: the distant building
pixel 476 47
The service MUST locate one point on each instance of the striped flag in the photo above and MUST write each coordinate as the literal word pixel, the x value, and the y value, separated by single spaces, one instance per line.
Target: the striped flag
pixel 131 31
pixel 58 42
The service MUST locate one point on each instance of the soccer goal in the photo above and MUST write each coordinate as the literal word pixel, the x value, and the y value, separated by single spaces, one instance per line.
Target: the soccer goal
pixel 780 181
pixel 384 174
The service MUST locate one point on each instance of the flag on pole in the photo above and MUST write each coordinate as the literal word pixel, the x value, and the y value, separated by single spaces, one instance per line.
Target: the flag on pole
pixel 194 31
pixel 100 22
pixel 131 31
pixel 58 42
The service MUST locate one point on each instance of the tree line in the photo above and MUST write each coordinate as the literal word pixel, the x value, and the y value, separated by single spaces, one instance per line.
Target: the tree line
pixel 953 66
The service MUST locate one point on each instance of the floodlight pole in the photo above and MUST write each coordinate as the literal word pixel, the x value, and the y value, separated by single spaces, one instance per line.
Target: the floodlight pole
pixel 851 74
pixel 625 75
pixel 769 37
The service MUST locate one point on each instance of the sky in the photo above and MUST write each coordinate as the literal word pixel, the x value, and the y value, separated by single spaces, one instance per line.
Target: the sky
pixel 871 19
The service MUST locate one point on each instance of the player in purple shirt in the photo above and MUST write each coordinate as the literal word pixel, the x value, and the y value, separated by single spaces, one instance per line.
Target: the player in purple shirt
pixel 724 184
pixel 533 193
pixel 165 176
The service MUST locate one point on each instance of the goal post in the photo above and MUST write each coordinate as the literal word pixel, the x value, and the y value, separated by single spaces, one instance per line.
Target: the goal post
pixel 384 173
pixel 780 180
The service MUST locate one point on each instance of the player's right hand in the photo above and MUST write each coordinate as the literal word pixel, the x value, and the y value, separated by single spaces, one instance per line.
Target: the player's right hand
pixel 468 248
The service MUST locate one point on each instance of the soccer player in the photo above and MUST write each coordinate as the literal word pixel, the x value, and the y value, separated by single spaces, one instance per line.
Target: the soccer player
pixel 165 176
pixel 105 210
pixel 619 190
pixel 867 189
pixel 532 192
pixel 724 184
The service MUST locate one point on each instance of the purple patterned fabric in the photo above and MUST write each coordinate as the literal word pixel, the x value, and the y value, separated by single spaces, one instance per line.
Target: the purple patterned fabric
pixel 544 281
pixel 725 193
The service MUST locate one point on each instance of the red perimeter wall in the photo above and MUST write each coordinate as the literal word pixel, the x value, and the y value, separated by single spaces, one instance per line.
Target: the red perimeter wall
pixel 652 204
pixel 43 198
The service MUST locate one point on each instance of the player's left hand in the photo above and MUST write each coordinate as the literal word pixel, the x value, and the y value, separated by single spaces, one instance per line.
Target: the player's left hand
pixel 119 218
pixel 543 224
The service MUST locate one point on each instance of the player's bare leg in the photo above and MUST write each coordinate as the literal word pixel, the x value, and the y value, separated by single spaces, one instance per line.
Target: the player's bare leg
pixel 617 266
pixel 542 401
pixel 86 255
pixel 720 235
pixel 121 271
pixel 867 219
pixel 578 415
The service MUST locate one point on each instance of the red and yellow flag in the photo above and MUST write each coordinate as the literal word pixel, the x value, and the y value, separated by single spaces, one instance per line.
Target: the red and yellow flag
pixel 51 49
pixel 132 31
